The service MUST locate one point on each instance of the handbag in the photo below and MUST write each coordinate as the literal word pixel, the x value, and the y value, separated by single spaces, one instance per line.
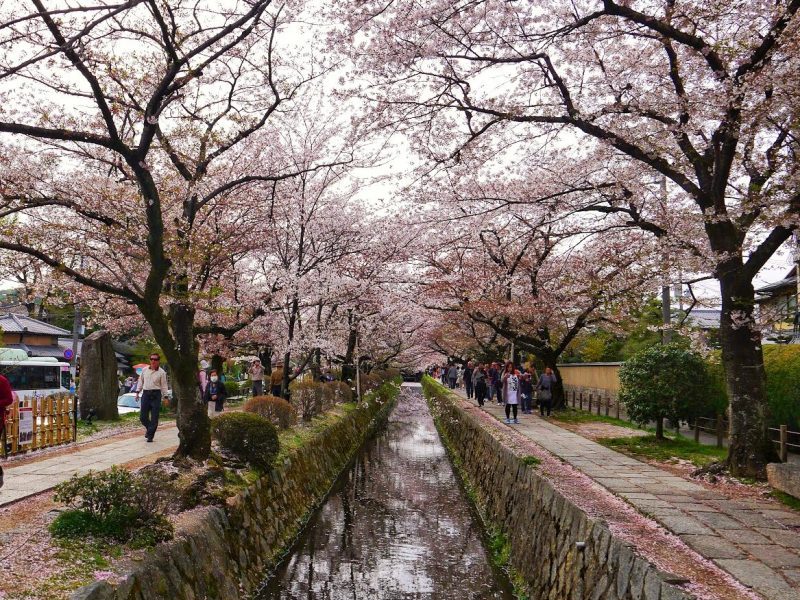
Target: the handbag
pixel 545 395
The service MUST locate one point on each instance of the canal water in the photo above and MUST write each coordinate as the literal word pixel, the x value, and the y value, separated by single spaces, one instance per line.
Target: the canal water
pixel 396 525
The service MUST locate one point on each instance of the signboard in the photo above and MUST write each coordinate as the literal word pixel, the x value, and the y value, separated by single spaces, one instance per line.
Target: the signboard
pixel 25 425
pixel 68 353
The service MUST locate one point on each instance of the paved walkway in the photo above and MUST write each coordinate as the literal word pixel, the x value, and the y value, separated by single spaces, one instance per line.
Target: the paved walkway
pixel 752 540
pixel 35 477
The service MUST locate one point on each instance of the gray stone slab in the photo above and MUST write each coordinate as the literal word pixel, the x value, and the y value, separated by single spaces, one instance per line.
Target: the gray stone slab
pixel 772 555
pixel 718 520
pixel 754 574
pixel 785 537
pixel 685 525
pixel 712 546
pixel 743 536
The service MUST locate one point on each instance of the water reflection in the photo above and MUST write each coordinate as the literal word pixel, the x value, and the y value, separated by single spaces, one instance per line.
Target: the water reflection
pixel 395 526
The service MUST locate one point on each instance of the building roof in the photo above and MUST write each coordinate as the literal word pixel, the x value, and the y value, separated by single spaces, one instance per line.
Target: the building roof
pixel 704 318
pixel 787 283
pixel 34 351
pixel 12 323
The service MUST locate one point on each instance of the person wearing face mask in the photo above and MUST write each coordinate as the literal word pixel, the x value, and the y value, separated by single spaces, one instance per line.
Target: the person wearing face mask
pixel 215 392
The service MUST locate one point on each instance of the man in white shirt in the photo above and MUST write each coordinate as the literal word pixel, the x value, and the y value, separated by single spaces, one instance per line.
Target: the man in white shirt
pixel 152 387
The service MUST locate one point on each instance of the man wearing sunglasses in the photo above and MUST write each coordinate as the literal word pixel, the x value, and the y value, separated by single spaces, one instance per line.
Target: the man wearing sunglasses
pixel 152 387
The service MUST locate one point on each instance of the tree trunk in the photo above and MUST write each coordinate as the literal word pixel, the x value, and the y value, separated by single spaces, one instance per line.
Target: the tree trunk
pixel 194 432
pixel 265 356
pixel 348 366
pixel 660 428
pixel 750 447
pixel 285 382
pixel 558 387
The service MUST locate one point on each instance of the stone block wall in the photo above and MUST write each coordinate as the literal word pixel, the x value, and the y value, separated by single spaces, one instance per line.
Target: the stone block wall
pixel 785 477
pixel 560 552
pixel 226 553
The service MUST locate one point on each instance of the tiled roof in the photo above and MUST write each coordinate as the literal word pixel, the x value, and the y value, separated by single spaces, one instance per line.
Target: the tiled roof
pixel 12 323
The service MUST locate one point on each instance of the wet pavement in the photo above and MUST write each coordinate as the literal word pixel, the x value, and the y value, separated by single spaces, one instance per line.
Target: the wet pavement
pixel 396 525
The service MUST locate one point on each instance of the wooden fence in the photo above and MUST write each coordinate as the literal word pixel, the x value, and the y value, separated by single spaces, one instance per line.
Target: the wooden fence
pixel 35 423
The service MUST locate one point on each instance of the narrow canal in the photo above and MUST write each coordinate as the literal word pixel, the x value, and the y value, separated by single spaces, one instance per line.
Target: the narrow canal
pixel 396 525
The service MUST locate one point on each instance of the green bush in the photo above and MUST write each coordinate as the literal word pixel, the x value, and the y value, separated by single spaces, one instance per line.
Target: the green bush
pixel 97 493
pixel 276 410
pixel 116 505
pixel 782 364
pixel 782 367
pixel 250 437
pixel 664 382
pixel 232 387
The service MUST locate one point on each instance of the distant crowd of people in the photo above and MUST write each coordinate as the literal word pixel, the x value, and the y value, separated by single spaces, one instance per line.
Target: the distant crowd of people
pixel 511 386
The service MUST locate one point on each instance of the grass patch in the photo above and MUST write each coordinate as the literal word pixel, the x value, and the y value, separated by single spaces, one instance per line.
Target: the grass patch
pixel 786 499
pixel 571 415
pixel 531 461
pixel 667 450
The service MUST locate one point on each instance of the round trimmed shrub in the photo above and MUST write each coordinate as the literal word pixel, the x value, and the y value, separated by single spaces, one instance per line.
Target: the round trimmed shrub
pixel 250 437
pixel 340 391
pixel 308 396
pixel 276 410
pixel 664 382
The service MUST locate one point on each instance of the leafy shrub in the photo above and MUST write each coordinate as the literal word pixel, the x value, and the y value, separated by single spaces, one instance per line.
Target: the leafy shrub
pixel 117 505
pixel 250 437
pixel 97 493
pixel 232 387
pixel 340 391
pixel 308 396
pixel 782 364
pixel 276 410
pixel 664 382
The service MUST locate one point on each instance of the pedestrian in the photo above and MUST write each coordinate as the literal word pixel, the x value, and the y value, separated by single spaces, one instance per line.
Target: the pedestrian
pixel 215 392
pixel 526 392
pixel 510 384
pixel 257 377
pixel 276 382
pixel 452 376
pixel 202 377
pixel 545 390
pixel 152 387
pixel 479 383
pixel 468 385
pixel 127 386
pixel 444 374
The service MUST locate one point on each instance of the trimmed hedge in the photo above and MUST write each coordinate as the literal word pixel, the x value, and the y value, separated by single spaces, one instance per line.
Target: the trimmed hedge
pixel 250 437
pixel 276 410
pixel 782 366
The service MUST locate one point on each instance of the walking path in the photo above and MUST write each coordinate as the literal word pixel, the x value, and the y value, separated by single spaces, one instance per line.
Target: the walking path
pixel 754 541
pixel 35 477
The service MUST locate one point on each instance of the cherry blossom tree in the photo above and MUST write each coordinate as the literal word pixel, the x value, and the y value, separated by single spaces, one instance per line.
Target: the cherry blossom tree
pixel 130 136
pixel 702 95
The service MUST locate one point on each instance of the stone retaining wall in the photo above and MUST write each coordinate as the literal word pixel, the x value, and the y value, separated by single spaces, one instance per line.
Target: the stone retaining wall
pixel 226 553
pixel 558 550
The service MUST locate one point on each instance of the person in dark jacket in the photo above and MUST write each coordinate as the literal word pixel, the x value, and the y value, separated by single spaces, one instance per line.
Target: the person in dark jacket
pixel 526 388
pixel 215 392
pixel 452 375
pixel 468 379
pixel 479 383
pixel 545 388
